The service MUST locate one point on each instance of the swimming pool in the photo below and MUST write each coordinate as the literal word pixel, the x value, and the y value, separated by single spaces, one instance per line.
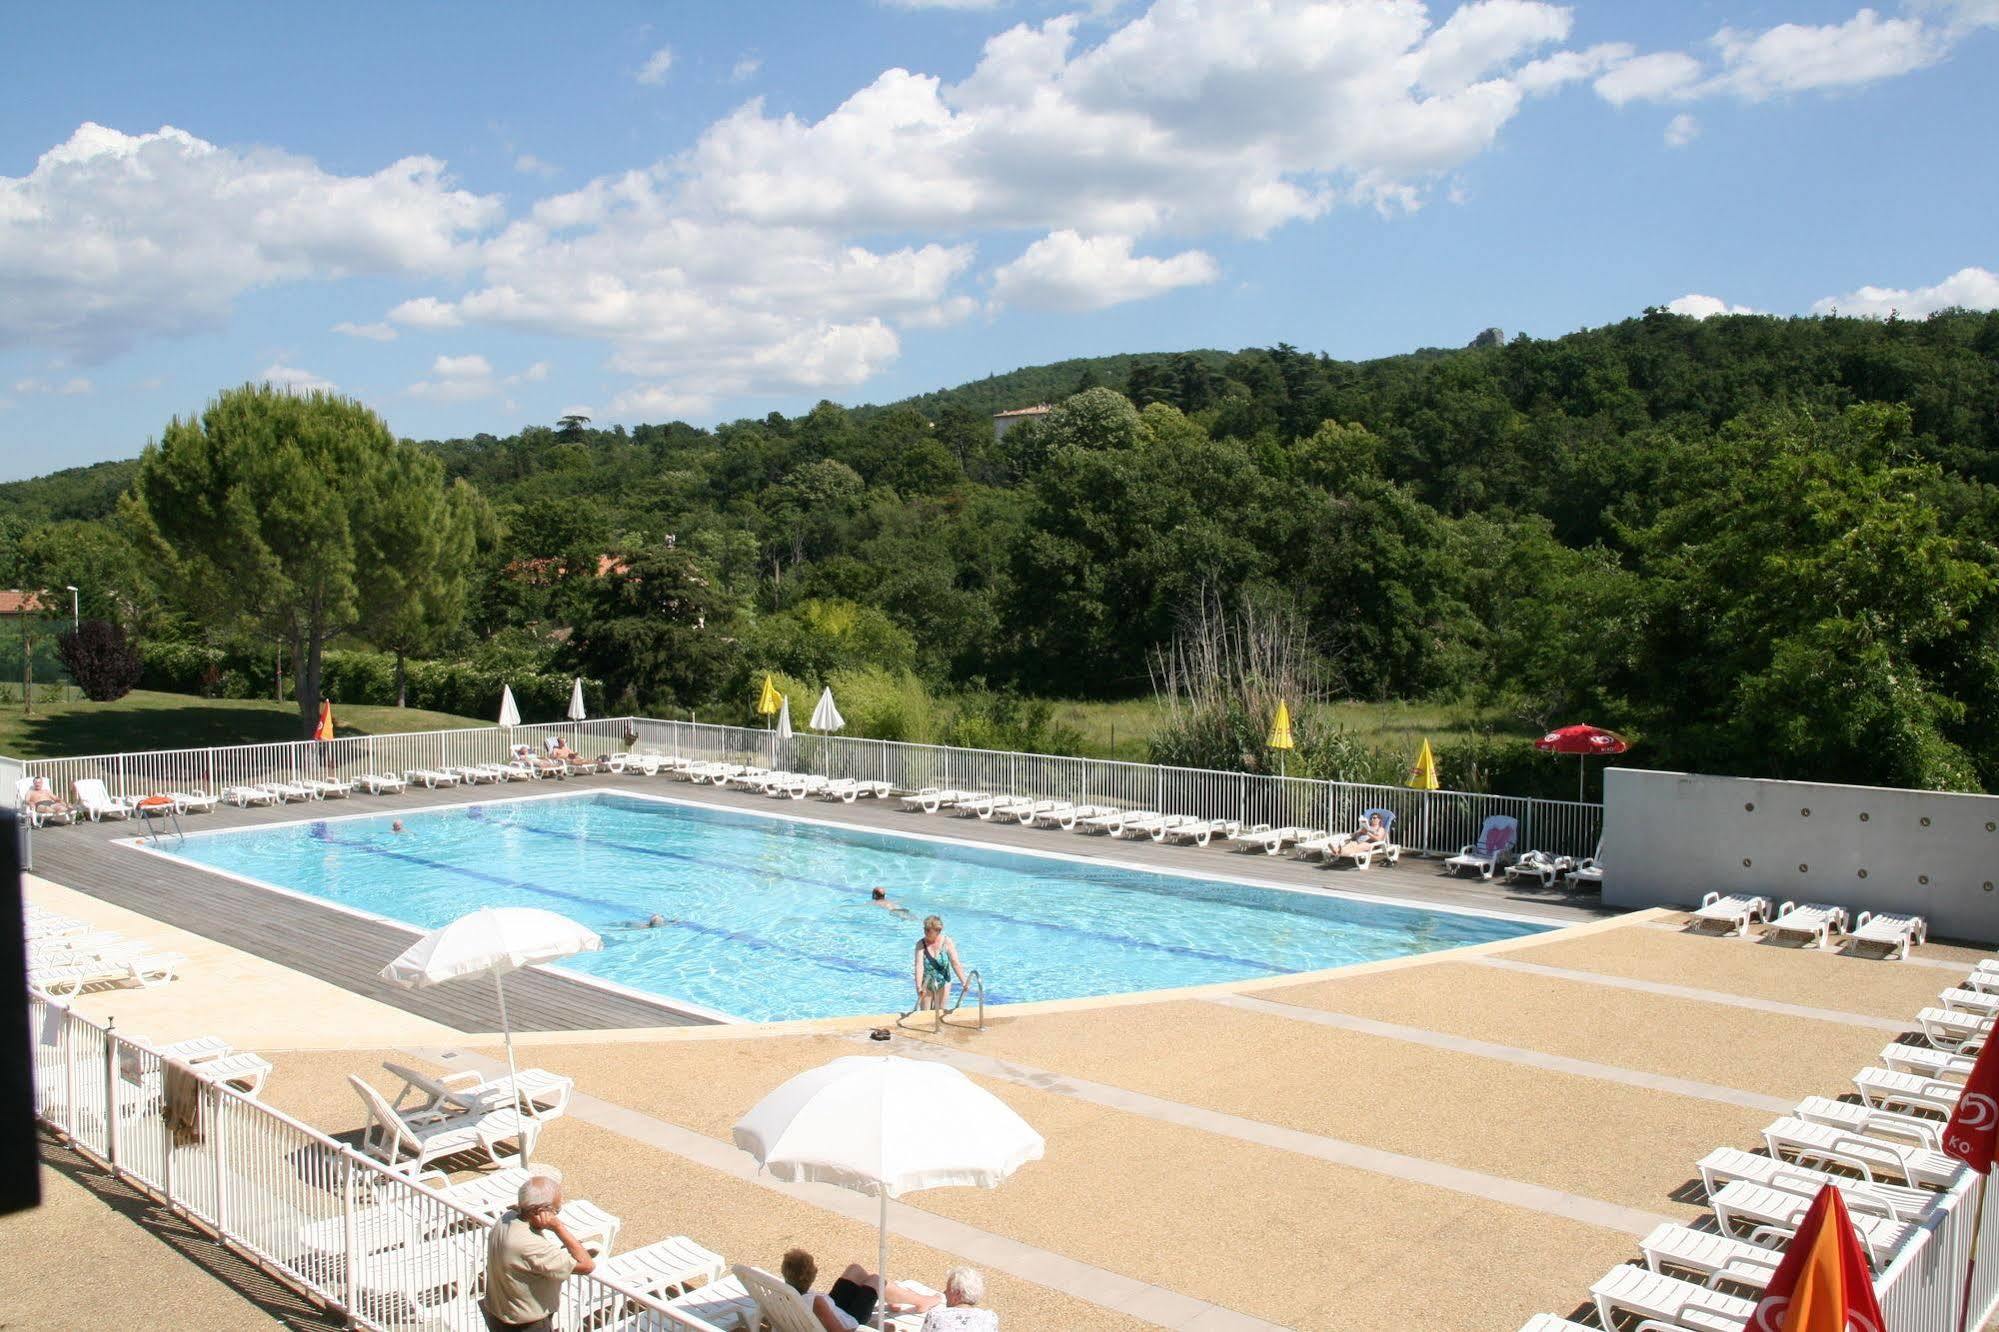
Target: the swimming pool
pixel 766 917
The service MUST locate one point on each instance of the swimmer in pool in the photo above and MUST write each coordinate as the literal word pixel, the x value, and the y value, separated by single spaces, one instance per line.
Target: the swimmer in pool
pixel 396 826
pixel 879 897
pixel 652 922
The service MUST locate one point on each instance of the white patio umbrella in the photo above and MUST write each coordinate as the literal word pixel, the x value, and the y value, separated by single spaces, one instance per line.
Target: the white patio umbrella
pixel 576 712
pixel 886 1126
pixel 509 714
pixel 491 942
pixel 783 731
pixel 826 717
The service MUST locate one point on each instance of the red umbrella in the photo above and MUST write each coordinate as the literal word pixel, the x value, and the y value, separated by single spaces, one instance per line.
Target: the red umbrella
pixel 1582 741
pixel 1823 1283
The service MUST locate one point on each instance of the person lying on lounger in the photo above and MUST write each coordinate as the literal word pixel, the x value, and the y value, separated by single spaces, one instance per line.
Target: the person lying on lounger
pixel 849 1302
pixel 1375 830
pixel 42 800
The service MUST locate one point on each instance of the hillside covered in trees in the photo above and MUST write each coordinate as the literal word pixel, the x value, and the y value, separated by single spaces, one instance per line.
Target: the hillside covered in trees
pixel 1760 545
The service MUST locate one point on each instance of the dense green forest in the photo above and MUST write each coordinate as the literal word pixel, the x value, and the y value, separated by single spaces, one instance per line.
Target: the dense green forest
pixel 1758 545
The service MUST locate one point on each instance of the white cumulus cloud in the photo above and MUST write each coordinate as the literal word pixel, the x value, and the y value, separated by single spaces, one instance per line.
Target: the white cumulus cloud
pixel 745 68
pixel 114 237
pixel 653 72
pixel 1969 288
pixel 73 387
pixel 296 380
pixel 426 312
pixel 530 165
pixel 1066 271
pixel 1682 130
pixel 1707 307
pixel 372 332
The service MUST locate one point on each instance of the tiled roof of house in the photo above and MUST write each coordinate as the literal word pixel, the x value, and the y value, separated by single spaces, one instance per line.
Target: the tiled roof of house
pixel 13 601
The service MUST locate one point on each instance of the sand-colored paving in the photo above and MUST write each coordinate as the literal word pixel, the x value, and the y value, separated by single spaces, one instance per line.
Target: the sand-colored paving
pixel 1751 969
pixel 1183 1133
pixel 1685 1038
pixel 227 992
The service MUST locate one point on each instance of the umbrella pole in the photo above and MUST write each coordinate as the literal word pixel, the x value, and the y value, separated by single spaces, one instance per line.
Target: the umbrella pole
pixel 1582 769
pixel 513 1073
pixel 881 1259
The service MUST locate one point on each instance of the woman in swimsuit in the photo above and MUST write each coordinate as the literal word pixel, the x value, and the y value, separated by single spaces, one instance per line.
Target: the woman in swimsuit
pixel 936 960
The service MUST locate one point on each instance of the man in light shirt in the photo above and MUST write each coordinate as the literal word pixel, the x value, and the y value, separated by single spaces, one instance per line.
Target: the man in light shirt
pixel 529 1254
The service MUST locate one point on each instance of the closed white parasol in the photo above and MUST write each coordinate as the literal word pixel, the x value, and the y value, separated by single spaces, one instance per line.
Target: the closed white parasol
pixel 826 717
pixel 576 712
pixel 491 942
pixel 887 1126
pixel 509 714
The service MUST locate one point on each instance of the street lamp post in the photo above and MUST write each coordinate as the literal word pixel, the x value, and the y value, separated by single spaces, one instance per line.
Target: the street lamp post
pixel 75 607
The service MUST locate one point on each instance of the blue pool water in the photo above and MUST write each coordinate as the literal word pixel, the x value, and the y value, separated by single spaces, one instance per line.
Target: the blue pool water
pixel 767 918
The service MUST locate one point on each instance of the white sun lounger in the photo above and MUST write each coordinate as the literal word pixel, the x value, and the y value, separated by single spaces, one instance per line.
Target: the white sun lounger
pixel 408 1143
pixel 1767 1215
pixel 1953 1030
pixel 1647 1294
pixel 67 979
pixel 998 807
pixel 1145 825
pixel 662 1270
pixel 38 818
pixel 1735 913
pixel 1546 1322
pixel 381 783
pixel 325 788
pixel 1363 852
pixel 1272 841
pixel 195 801
pixel 849 789
pixel 1588 872
pixel 1116 821
pixel 1726 1165
pixel 1866 1149
pixel 287 790
pixel 1926 1061
pixel 546 1093
pixel 785 1310
pixel 1542 867
pixel 100 803
pixel 807 784
pixel 1492 850
pixel 1066 816
pixel 244 796
pixel 1673 1248
pixel 1026 813
pixel 1198 831
pixel 1980 1003
pixel 51 925
pixel 933 798
pixel 474 774
pixel 626 764
pixel 432 778
pixel 1892 933
pixel 1812 923
pixel 1324 845
pixel 1907 1093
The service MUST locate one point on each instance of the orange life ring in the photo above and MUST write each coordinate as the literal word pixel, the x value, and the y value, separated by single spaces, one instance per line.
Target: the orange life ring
pixel 157 802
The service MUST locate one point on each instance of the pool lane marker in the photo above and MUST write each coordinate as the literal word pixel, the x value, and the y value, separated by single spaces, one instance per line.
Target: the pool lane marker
pixel 976 913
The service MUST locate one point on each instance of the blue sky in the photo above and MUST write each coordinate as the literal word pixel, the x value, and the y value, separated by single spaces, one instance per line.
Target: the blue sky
pixel 479 218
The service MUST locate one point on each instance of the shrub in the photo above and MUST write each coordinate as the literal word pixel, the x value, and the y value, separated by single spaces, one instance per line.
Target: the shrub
pixel 1007 721
pixel 884 705
pixel 100 659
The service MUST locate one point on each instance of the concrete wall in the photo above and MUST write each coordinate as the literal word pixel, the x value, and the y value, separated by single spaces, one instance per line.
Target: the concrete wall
pixel 1669 837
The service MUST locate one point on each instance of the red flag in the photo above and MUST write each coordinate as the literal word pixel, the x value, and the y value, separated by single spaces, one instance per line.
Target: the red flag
pixel 1823 1284
pixel 324 731
pixel 1973 1131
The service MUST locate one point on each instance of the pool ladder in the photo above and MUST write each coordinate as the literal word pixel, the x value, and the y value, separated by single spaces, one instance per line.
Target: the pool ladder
pixel 973 980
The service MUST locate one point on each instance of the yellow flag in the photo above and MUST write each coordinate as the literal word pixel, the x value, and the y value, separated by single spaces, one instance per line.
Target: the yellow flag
pixel 1280 729
pixel 1424 775
pixel 768 702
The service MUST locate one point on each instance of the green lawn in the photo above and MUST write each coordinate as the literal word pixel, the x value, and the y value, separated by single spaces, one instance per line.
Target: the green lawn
pixel 145 720
pixel 1120 729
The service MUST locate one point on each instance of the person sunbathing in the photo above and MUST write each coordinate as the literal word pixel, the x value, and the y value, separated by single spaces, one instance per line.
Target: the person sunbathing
pixel 849 1303
pixel 41 800
pixel 1374 831
pixel 561 751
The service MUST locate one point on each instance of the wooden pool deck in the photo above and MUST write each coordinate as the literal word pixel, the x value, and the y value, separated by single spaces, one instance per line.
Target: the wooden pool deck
pixel 350 950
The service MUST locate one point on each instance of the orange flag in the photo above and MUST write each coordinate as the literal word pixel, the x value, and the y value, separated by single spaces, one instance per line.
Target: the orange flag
pixel 1823 1284
pixel 324 731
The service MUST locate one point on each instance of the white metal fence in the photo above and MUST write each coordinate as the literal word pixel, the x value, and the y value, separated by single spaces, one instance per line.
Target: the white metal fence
pixel 1922 1288
pixel 1434 822
pixel 387 1252
pixel 1437 822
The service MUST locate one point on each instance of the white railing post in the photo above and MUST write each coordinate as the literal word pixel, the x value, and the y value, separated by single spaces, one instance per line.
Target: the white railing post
pixel 211 1095
pixel 350 1241
pixel 111 1060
